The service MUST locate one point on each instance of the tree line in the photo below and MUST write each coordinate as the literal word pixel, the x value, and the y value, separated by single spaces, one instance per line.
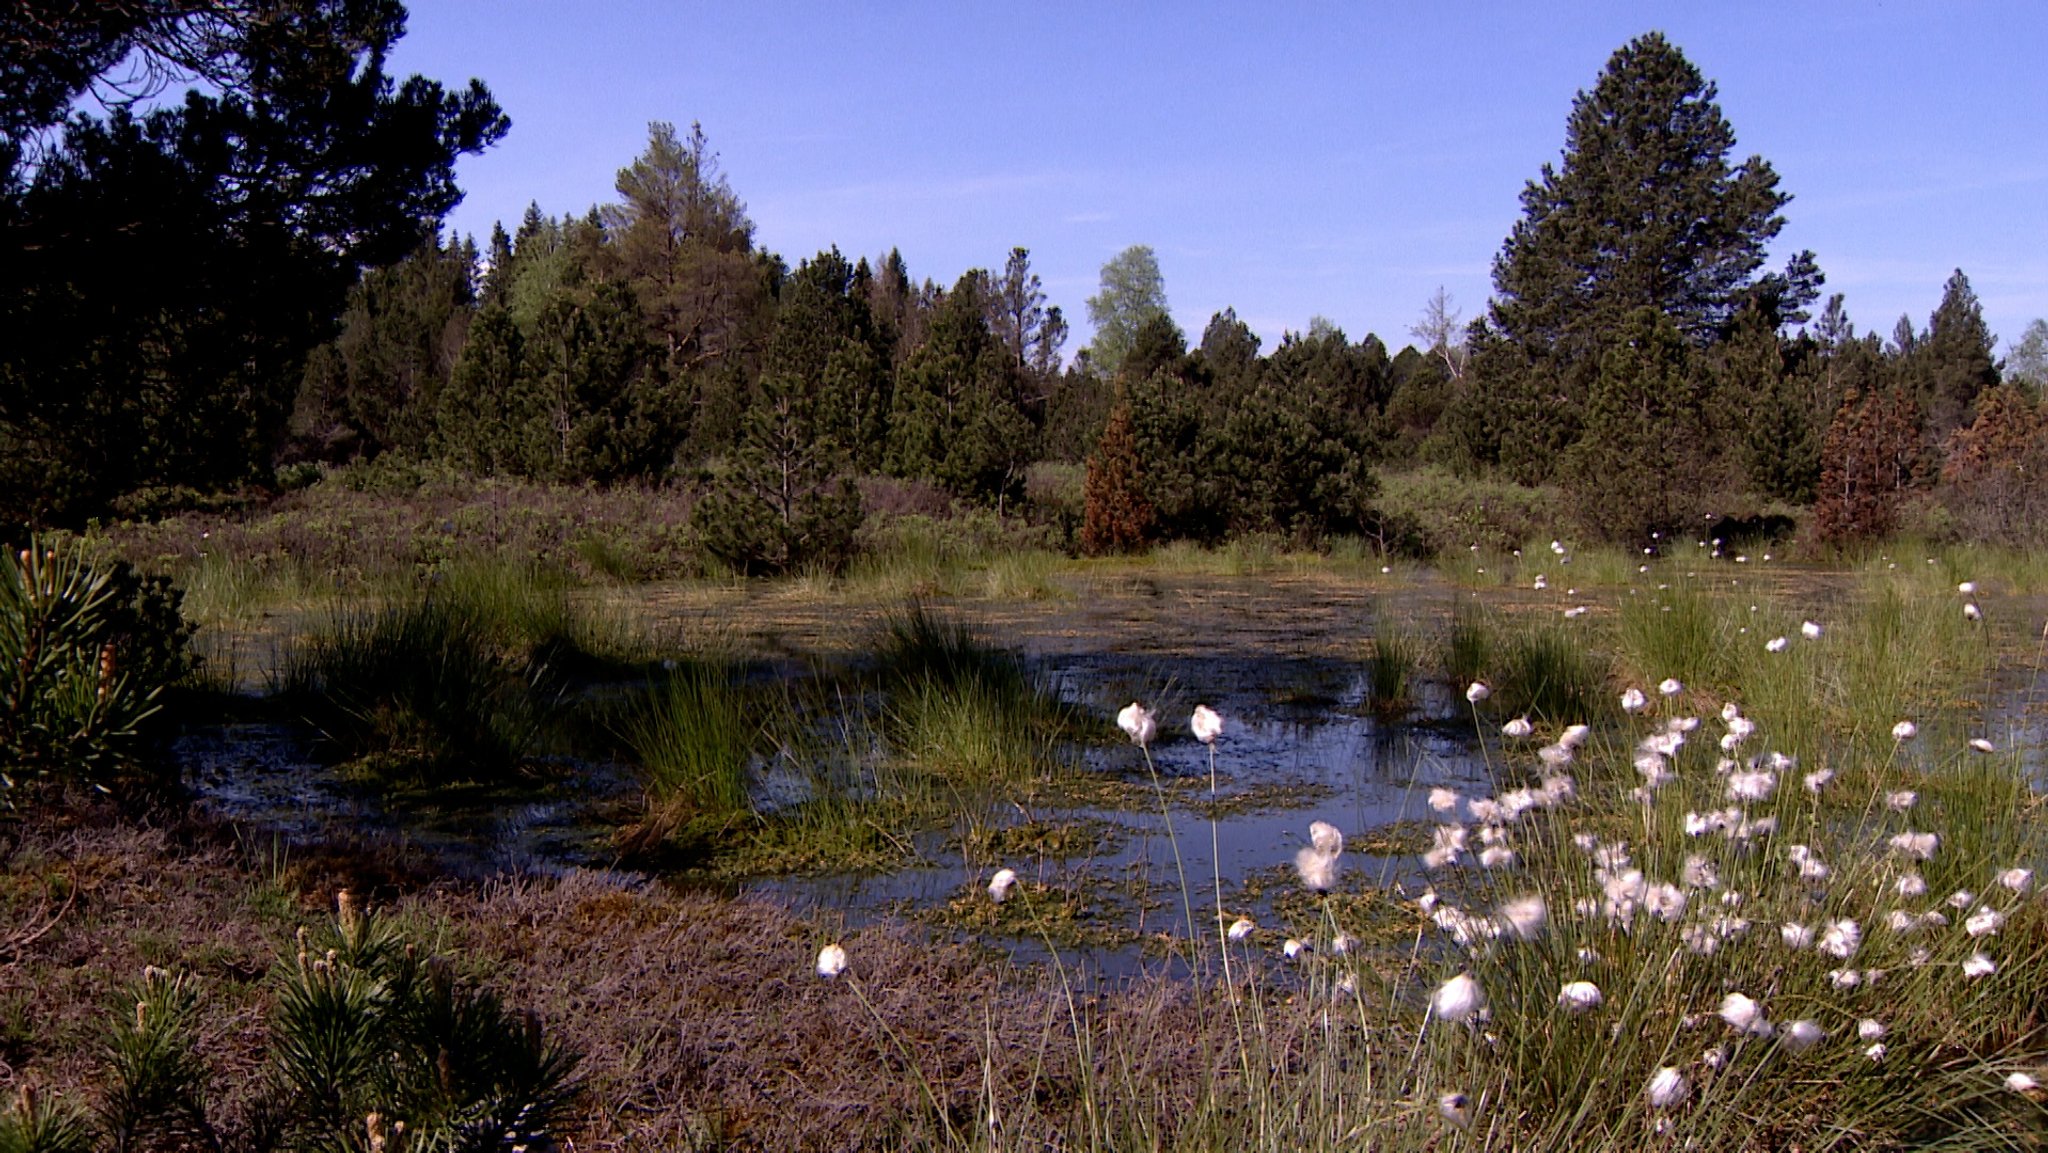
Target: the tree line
pixel 256 277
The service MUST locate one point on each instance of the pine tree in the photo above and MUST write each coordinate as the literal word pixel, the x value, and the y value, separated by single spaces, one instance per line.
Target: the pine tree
pixel 1871 457
pixel 1116 517
pixel 1952 363
pixel 1645 462
pixel 959 414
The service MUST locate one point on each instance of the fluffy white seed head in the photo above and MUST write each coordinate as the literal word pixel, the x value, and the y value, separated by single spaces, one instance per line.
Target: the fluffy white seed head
pixel 1802 1035
pixel 1668 1088
pixel 1518 728
pixel 1904 731
pixel 1241 928
pixel 1137 723
pixel 1477 691
pixel 1326 837
pixel 1670 687
pixel 1579 997
pixel 999 886
pixel 1633 701
pixel 1206 724
pixel 1457 1000
pixel 1744 1015
pixel 831 961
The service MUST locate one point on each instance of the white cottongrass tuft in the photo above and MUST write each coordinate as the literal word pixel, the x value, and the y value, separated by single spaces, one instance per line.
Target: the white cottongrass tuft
pixel 1899 800
pixel 1984 922
pixel 1443 800
pixel 1983 746
pixel 999 886
pixel 1206 724
pixel 1670 687
pixel 1841 939
pixel 1523 918
pixel 1967 588
pixel 2020 1083
pixel 1904 731
pixel 1915 846
pixel 1241 928
pixel 1818 779
pixel 2018 880
pixel 1809 630
pixel 1477 691
pixel 1518 728
pixel 1911 885
pixel 1457 1000
pixel 1972 613
pixel 1744 1015
pixel 831 961
pixel 1137 723
pixel 1961 899
pixel 1869 1029
pixel 1579 997
pixel 1326 837
pixel 1574 735
pixel 1776 645
pixel 1755 785
pixel 1496 857
pixel 1667 1088
pixel 1795 936
pixel 1633 701
pixel 1875 1053
pixel 1456 1108
pixel 1699 872
pixel 1292 948
pixel 1318 871
pixel 1979 965
pixel 1802 1035
pixel 1664 901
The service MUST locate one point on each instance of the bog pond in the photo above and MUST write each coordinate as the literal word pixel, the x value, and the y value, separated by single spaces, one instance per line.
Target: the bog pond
pixel 1134 847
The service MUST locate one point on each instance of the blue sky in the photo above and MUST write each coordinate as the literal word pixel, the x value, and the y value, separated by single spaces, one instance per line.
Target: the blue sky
pixel 1287 160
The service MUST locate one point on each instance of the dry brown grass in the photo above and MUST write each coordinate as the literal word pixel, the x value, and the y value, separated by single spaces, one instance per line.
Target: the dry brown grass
pixel 701 1019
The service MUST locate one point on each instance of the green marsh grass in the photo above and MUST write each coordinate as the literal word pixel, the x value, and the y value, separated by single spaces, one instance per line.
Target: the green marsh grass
pixel 1391 666
pixel 694 736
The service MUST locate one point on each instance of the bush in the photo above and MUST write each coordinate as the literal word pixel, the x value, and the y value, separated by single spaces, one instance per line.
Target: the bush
pixel 87 651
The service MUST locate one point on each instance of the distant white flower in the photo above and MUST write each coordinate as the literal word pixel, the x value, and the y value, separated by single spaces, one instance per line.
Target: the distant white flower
pixel 1341 943
pixel 1207 726
pixel 1917 846
pixel 1869 1029
pixel 1697 825
pixel 1240 929
pixel 1982 745
pixel 1818 779
pixel 1518 728
pixel 1776 645
pixel 1477 691
pixel 1967 588
pixel 1984 922
pixel 831 961
pixel 1443 800
pixel 1670 687
pixel 1456 1108
pixel 1795 935
pixel 1800 1036
pixel 1899 800
pixel 1900 921
pixel 1744 1015
pixel 1664 901
pixel 1292 948
pixel 1972 613
pixel 1575 612
pixel 1699 872
pixel 2020 1083
pixel 1904 730
pixel 1457 1000
pixel 1875 1053
pixel 1486 810
pixel 1667 1088
pixel 1844 978
pixel 1910 885
pixel 1496 857
pixel 2018 880
pixel 1346 985
pixel 1811 867
pixel 1557 547
pixel 1555 756
pixel 1540 583
pixel 1579 996
pixel 999 886
pixel 1633 701
pixel 1809 630
pixel 1326 837
pixel 1523 918
pixel 1979 965
pixel 1574 735
pixel 1841 939
pixel 1556 790
pixel 1137 723
pixel 1756 785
